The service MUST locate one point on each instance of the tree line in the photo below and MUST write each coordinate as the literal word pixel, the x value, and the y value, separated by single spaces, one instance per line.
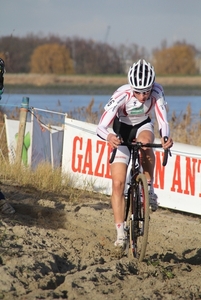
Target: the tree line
pixel 56 55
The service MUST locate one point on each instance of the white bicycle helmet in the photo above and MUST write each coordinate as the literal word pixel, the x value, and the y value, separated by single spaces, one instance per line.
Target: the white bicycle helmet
pixel 141 76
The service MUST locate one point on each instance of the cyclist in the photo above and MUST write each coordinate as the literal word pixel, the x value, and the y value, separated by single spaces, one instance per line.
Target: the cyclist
pixel 128 110
pixel 5 207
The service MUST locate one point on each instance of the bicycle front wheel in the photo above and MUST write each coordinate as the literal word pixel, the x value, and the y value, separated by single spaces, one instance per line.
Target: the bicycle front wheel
pixel 139 224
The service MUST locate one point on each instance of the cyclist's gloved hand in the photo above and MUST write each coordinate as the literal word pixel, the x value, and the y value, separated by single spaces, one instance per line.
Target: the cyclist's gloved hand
pixel 113 140
pixel 167 142
pixel 120 138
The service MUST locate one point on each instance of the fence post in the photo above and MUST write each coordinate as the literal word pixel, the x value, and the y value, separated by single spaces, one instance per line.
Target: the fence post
pixel 22 126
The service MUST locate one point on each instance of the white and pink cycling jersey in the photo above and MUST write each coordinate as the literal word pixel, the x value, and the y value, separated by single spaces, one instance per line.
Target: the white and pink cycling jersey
pixel 130 111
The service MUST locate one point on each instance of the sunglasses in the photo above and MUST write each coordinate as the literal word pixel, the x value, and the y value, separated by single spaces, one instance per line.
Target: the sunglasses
pixel 144 93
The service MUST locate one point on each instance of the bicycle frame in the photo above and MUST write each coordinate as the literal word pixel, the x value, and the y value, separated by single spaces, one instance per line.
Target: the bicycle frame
pixel 134 171
pixel 137 204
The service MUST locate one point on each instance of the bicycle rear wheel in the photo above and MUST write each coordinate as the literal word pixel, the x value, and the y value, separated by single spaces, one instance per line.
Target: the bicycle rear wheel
pixel 139 221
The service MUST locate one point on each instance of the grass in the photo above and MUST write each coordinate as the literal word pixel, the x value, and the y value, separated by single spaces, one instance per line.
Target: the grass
pixel 184 127
pixel 44 181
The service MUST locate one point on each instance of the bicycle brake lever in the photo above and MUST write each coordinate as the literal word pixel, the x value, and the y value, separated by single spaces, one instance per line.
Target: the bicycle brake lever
pixel 166 152
pixel 120 138
pixel 165 140
pixel 115 149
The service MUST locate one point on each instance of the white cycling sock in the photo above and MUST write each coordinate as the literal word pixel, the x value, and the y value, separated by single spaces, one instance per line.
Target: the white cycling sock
pixel 120 230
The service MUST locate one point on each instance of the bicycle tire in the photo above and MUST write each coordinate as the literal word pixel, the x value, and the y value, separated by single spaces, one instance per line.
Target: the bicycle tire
pixel 139 226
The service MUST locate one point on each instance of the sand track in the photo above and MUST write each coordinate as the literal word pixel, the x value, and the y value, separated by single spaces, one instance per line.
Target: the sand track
pixel 53 249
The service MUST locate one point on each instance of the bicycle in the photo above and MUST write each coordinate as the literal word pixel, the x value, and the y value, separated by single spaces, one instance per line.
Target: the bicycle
pixel 137 200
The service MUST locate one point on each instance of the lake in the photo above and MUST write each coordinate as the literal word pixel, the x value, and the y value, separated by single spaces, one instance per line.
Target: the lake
pixel 75 103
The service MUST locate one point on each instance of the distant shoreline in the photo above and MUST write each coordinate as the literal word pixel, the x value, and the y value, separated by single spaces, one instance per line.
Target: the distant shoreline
pixel 95 90
pixel 91 85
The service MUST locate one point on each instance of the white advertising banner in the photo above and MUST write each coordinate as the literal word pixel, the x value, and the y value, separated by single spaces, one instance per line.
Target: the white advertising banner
pixel 86 157
pixel 178 185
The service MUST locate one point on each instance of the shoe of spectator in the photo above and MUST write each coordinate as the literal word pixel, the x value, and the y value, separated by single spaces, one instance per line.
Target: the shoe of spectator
pixel 5 207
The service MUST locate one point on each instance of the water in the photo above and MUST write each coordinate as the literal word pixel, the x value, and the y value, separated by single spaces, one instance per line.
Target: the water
pixel 70 103
pixel 64 103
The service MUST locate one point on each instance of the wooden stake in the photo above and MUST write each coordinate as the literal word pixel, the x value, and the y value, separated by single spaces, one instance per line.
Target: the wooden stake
pixel 22 126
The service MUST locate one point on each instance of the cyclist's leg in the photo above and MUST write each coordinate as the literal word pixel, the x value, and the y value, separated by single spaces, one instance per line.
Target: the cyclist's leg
pixel 145 134
pixel 148 163
pixel 118 174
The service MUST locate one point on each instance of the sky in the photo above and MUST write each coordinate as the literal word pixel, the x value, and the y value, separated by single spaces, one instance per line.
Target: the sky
pixel 146 23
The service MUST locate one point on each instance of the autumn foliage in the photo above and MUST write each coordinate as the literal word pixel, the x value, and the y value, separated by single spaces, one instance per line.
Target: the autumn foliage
pixel 178 60
pixel 51 59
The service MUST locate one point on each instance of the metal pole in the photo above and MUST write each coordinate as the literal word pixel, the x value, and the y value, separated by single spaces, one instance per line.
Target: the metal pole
pixel 22 126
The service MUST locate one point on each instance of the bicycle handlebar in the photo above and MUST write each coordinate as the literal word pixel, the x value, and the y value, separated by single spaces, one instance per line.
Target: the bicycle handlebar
pixel 149 145
pixel 166 152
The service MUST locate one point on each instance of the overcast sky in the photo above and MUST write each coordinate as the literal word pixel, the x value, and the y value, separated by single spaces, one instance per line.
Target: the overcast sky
pixel 144 22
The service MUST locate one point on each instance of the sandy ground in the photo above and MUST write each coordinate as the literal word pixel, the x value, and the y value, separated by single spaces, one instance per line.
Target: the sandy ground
pixel 54 249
